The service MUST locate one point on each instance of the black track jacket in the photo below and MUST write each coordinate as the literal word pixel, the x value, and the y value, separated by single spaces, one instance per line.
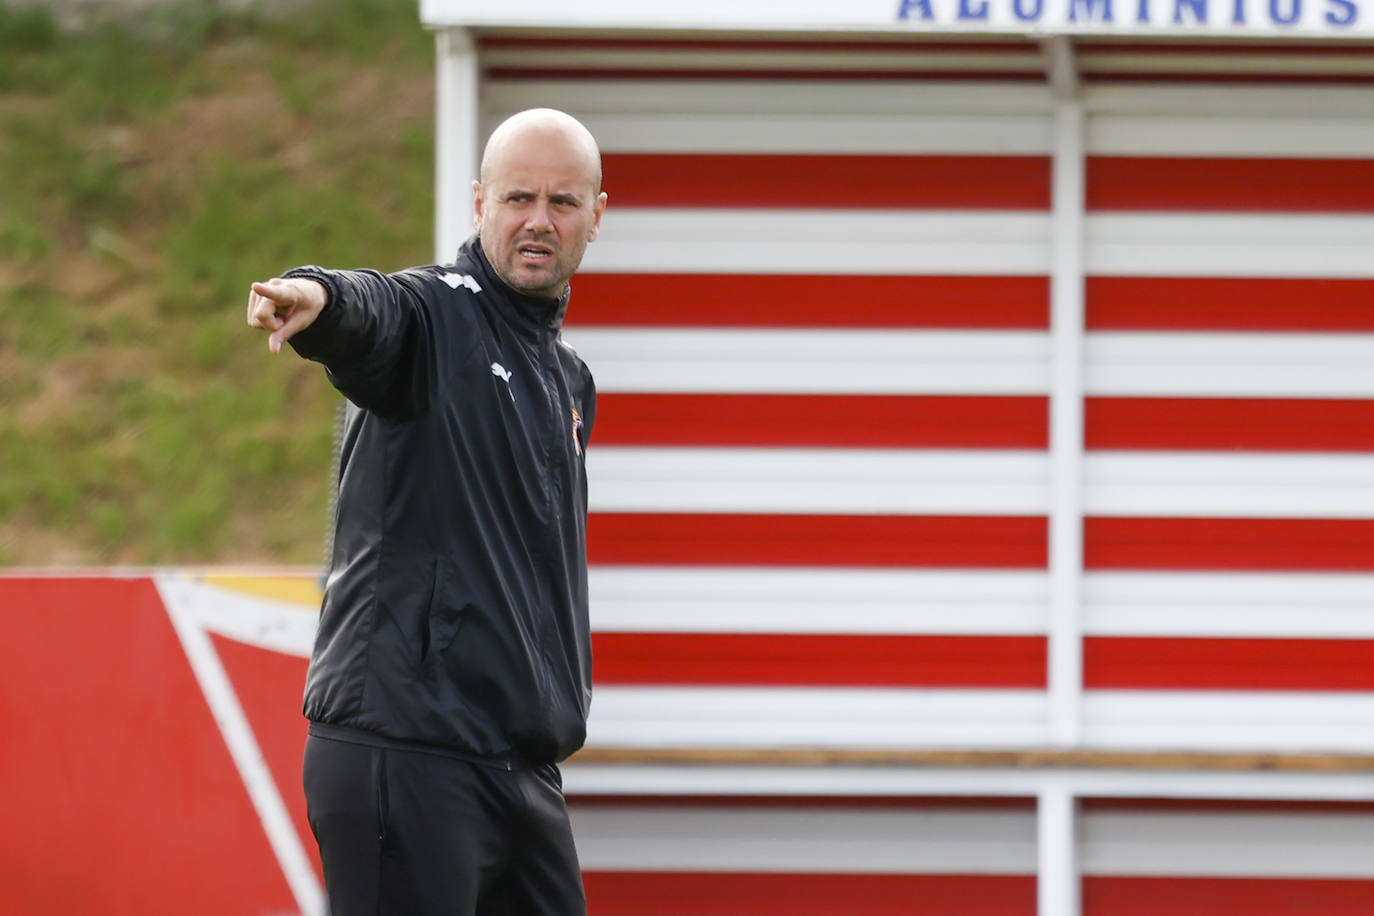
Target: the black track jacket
pixel 455 612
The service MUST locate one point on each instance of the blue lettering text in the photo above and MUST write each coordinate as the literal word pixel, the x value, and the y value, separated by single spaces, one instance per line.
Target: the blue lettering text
pixel 1027 15
pixel 1197 7
pixel 1142 11
pixel 1343 14
pixel 1092 9
pixel 1278 16
pixel 922 8
pixel 967 10
pixel 1238 14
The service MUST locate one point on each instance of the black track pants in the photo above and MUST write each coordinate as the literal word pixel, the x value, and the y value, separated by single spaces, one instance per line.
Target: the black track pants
pixel 416 834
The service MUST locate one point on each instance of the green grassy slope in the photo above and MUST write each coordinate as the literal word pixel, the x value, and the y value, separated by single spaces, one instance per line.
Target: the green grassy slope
pixel 148 173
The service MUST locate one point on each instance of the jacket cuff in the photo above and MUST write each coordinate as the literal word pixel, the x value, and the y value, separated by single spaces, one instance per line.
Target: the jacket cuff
pixel 313 342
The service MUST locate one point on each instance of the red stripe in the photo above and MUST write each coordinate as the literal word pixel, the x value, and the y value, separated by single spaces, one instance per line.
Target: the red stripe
pixel 735 893
pixel 1163 663
pixel 808 301
pixel 817 540
pixel 1147 896
pixel 729 44
pixel 744 74
pixel 1204 77
pixel 1259 424
pixel 1010 46
pixel 1294 185
pixel 821 420
pixel 1210 805
pixel 1009 804
pixel 1228 304
pixel 828 181
pixel 809 660
pixel 1295 545
pixel 1265 49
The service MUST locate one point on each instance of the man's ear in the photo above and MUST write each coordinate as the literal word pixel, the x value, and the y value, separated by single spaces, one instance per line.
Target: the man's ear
pixel 477 205
pixel 598 208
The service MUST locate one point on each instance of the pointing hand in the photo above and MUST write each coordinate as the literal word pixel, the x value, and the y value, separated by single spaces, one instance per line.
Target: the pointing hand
pixel 284 307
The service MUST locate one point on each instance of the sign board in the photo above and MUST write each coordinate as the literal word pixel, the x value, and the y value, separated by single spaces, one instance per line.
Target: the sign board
pixel 1306 19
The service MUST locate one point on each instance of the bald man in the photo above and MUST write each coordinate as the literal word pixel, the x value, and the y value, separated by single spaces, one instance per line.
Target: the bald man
pixel 451 671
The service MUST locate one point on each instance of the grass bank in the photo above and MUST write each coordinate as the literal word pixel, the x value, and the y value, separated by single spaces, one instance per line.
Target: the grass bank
pixel 151 170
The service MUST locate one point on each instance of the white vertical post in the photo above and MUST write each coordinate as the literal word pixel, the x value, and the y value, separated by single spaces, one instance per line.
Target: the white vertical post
pixel 456 120
pixel 1057 884
pixel 1066 401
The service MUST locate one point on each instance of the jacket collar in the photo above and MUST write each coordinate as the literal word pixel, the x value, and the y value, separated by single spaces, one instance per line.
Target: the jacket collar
pixel 530 311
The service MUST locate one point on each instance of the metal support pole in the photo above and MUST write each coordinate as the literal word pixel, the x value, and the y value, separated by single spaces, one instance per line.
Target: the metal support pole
pixel 456 120
pixel 1057 887
pixel 1058 884
pixel 1066 402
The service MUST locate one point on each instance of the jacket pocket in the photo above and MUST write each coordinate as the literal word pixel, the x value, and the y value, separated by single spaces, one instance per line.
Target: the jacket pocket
pixel 448 610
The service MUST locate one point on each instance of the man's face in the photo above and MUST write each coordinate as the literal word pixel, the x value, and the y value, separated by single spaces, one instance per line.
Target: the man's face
pixel 537 210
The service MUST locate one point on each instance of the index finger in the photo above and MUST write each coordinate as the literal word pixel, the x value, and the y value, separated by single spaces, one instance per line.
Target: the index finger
pixel 276 289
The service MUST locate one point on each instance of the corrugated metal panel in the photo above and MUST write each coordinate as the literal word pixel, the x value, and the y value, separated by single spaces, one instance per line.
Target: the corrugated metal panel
pixel 818 313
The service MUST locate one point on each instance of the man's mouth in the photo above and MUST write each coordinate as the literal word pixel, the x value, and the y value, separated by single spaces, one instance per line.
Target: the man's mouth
pixel 535 252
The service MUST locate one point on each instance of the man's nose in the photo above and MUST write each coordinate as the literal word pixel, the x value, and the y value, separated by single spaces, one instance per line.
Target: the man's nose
pixel 540 217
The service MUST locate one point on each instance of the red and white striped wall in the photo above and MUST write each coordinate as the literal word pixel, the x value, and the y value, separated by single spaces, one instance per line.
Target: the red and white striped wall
pixel 821 318
pixel 964 391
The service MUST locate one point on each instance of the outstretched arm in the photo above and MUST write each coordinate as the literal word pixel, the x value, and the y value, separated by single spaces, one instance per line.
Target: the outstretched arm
pixel 373 332
pixel 285 307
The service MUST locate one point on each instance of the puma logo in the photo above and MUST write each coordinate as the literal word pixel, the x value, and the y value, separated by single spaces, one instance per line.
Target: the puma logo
pixel 503 374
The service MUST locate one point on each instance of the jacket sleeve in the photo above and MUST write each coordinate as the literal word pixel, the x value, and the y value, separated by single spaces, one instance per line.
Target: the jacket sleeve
pixel 375 338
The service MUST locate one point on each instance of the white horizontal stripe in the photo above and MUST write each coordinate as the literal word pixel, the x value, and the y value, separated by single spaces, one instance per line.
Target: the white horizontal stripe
pixel 1219 101
pixel 877 481
pixel 700 599
pixel 764 241
pixel 814 717
pixel 1237 605
pixel 1192 120
pixel 1122 364
pixel 1127 61
pixel 729 600
pixel 717 838
pixel 976 482
pixel 816 116
pixel 813 98
pixel 816 361
pixel 1228 485
pixel 789 116
pixel 1271 721
pixel 277 625
pixel 835 133
pixel 1230 844
pixel 1183 364
pixel 1018 58
pixel 878 782
pixel 1230 134
pixel 722 838
pixel 1229 245
pixel 745 717
pixel 969 242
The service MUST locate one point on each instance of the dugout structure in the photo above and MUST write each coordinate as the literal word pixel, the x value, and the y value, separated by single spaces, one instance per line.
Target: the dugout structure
pixel 986 409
